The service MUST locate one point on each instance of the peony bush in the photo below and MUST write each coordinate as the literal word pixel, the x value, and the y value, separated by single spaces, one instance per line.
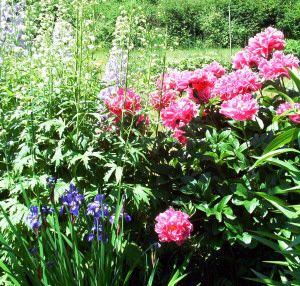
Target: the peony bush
pixel 101 165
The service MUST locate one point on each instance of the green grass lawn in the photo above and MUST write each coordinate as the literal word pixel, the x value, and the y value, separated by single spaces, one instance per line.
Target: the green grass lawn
pixel 178 54
pixel 219 54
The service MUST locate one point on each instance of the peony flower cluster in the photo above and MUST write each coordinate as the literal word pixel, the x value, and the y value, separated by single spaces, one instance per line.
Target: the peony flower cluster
pixel 215 68
pixel 259 53
pixel 242 81
pixel 174 80
pixel 241 107
pixel 115 103
pixel 245 58
pixel 162 99
pixel 284 107
pixel 179 113
pixel 275 67
pixel 265 42
pixel 173 226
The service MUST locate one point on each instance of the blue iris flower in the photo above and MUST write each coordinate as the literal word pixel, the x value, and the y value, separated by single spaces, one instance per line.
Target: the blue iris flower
pixel 126 216
pixel 51 182
pixel 46 210
pixel 97 207
pixel 33 218
pixel 72 199
pixel 93 231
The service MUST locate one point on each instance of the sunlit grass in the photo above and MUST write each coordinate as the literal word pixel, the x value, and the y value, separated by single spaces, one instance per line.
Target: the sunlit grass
pixel 178 54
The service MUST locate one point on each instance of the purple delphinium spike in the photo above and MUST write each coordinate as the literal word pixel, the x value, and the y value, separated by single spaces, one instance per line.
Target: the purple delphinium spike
pixel 11 23
pixel 72 199
pixel 114 74
pixel 97 207
pixel 33 218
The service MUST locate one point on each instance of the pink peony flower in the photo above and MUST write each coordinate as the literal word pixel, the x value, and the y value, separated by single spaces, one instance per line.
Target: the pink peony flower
pixel 115 102
pixel 166 98
pixel 200 79
pixel 200 96
pixel 179 135
pixel 275 68
pixel 179 113
pixel 174 79
pixel 287 106
pixel 215 68
pixel 173 226
pixel 242 81
pixel 245 58
pixel 265 42
pixel 241 107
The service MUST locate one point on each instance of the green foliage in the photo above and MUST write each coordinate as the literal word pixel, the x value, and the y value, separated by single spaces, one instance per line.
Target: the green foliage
pixel 292 47
pixel 197 62
pixel 238 180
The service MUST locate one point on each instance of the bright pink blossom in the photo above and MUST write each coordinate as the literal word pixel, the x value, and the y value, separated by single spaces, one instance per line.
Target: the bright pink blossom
pixel 245 58
pixel 174 79
pixel 173 226
pixel 180 137
pixel 241 107
pixel 200 79
pixel 265 42
pixel 115 102
pixel 215 68
pixel 166 98
pixel 179 113
pixel 275 67
pixel 287 106
pixel 242 81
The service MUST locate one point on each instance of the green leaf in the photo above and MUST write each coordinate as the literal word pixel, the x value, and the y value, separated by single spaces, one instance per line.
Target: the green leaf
pixel 141 194
pixel 251 205
pixel 287 136
pixel 220 206
pixel 265 157
pixel 119 172
pixel 294 78
pixel 279 204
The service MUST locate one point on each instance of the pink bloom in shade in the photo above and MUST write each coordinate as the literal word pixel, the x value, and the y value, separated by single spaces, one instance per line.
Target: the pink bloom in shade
pixel 287 106
pixel 241 107
pixel 179 135
pixel 200 96
pixel 245 58
pixel 115 102
pixel 141 119
pixel 265 42
pixel 173 226
pixel 215 68
pixel 179 113
pixel 276 66
pixel 242 81
pixel 166 98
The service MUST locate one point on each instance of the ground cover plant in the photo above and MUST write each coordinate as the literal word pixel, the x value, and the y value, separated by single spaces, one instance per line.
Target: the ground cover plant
pixel 136 169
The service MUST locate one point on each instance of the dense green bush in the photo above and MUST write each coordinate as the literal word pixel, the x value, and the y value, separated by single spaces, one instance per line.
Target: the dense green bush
pixel 205 22
pixel 293 47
